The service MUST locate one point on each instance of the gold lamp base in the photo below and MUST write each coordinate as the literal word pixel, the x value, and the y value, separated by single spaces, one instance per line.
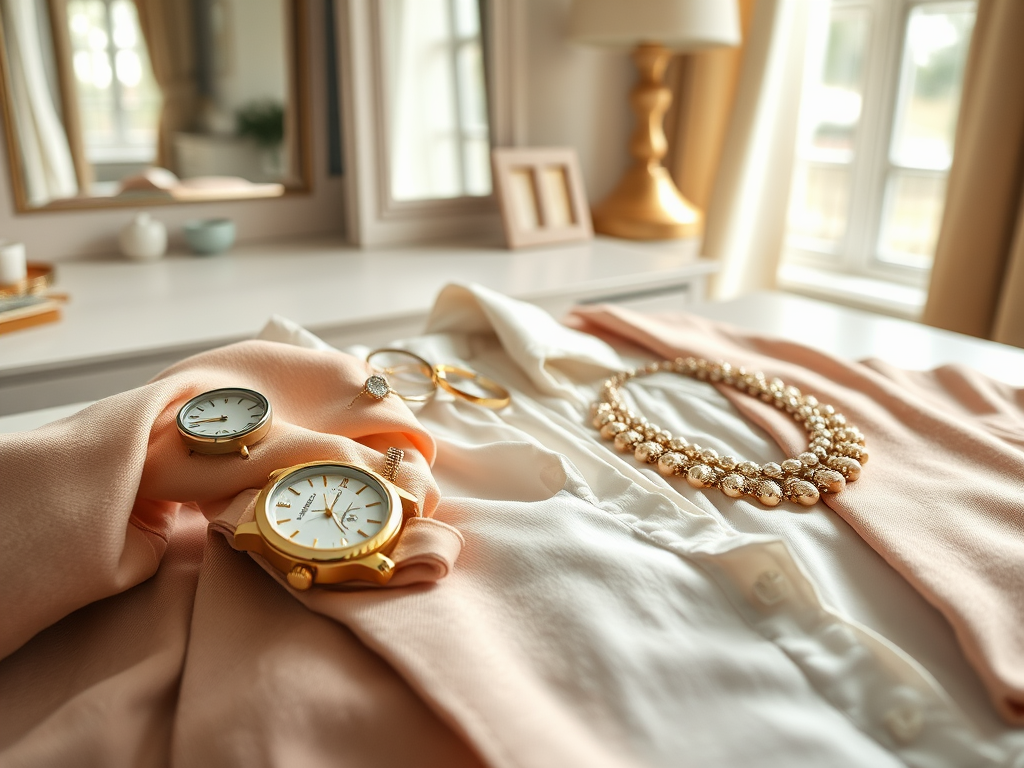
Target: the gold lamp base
pixel 646 205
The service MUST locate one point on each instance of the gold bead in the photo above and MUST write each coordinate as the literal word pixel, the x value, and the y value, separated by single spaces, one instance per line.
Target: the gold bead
pixel 748 468
pixel 670 463
pixel 850 468
pixel 769 493
pixel 648 452
pixel 734 485
pixel 700 476
pixel 829 480
pixel 802 492
pixel 771 469
pixel 808 459
pixel 625 441
pixel 609 431
pixel 792 466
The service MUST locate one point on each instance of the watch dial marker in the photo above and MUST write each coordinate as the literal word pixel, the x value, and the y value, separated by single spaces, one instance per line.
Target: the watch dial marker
pixel 285 520
pixel 315 541
pixel 362 489
pixel 364 535
pixel 376 522
pixel 294 491
pixel 294 534
pixel 284 504
pixel 344 483
pixel 375 504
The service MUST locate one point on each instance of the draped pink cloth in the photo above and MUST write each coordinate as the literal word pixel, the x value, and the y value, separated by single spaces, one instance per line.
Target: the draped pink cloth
pixel 93 504
pixel 942 496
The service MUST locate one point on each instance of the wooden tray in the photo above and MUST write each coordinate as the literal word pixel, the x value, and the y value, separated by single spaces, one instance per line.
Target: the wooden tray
pixel 39 278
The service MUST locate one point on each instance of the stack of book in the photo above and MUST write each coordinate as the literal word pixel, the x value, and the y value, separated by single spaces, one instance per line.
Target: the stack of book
pixel 24 311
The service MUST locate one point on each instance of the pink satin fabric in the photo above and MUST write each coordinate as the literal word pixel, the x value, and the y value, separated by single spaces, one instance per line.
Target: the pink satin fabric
pixel 204 660
pixel 942 496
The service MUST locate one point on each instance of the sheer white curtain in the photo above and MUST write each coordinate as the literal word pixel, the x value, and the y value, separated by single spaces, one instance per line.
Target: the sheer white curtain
pixel 746 216
pixel 49 171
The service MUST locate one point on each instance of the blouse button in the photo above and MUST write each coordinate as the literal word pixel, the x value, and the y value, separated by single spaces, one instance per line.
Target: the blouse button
pixel 905 722
pixel 771 587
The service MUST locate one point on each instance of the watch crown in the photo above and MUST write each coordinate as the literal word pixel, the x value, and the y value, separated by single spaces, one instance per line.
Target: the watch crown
pixel 300 577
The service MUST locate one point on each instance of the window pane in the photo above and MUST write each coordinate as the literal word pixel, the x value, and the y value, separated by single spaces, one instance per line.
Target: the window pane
pixel 830 114
pixel 934 56
pixel 910 223
pixel 818 204
pixel 832 106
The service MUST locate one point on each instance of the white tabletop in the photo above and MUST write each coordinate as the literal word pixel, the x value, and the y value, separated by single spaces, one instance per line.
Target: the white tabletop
pixel 856 335
pixel 120 309
pixel 841 331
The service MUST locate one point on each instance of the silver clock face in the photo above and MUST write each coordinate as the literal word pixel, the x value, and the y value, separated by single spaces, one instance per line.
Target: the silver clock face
pixel 328 507
pixel 224 413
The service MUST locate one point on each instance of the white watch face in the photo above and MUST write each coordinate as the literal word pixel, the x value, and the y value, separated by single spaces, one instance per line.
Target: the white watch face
pixel 224 413
pixel 328 507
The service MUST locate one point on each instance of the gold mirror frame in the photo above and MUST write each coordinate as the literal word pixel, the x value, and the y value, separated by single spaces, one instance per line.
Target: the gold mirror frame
pixel 299 80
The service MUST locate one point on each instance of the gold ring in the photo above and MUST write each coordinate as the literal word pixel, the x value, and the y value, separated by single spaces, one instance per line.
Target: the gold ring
pixel 501 395
pixel 426 368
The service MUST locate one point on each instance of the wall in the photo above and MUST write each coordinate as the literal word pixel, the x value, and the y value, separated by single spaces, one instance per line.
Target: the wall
pixel 573 96
pixel 78 234
pixel 577 96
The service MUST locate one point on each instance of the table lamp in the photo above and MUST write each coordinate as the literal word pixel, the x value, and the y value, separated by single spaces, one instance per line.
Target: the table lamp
pixel 646 205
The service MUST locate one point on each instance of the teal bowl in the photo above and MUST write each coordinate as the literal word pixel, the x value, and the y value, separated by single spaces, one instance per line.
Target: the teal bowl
pixel 209 236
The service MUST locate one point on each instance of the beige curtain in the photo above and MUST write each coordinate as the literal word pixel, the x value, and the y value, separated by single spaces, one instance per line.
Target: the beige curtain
pixel 169 29
pixel 48 170
pixel 977 284
pixel 746 211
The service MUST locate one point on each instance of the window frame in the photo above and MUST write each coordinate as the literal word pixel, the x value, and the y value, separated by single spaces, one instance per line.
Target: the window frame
pixel 857 252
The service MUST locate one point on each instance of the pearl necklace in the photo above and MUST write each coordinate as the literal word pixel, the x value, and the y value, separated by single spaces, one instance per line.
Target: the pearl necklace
pixel 834 454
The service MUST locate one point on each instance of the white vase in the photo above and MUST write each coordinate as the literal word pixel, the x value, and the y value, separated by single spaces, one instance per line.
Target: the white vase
pixel 144 239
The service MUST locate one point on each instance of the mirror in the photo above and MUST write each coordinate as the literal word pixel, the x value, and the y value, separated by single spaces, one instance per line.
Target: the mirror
pixel 122 102
pixel 435 99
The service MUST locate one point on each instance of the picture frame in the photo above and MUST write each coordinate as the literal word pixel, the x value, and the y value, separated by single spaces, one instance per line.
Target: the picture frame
pixel 541 196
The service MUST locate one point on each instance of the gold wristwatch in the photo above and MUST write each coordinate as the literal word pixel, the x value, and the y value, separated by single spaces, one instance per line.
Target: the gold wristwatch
pixel 327 522
pixel 224 421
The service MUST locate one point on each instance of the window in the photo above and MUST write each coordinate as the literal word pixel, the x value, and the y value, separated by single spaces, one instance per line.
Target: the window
pixel 875 143
pixel 440 144
pixel 119 100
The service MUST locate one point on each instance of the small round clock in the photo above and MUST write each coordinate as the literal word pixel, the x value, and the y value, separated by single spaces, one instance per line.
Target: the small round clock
pixel 225 421
pixel 327 522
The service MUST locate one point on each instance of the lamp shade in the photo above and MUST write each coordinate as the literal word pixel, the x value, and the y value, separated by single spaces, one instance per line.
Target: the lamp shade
pixel 679 24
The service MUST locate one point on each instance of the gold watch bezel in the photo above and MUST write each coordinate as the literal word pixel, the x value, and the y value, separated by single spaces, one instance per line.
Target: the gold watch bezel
pixel 365 560
pixel 238 442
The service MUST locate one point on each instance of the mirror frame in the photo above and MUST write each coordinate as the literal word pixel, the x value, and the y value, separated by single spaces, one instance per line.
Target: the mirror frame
pixel 372 215
pixel 300 87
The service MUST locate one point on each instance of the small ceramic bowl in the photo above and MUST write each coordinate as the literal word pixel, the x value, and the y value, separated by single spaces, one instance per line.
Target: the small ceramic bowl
pixel 209 236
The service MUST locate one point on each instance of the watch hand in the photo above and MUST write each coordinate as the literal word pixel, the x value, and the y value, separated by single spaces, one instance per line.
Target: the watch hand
pixel 337 521
pixel 350 508
pixel 204 421
pixel 336 497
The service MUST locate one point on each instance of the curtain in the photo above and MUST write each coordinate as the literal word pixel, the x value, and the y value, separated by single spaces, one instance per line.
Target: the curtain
pixel 169 29
pixel 977 282
pixel 746 212
pixel 47 166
